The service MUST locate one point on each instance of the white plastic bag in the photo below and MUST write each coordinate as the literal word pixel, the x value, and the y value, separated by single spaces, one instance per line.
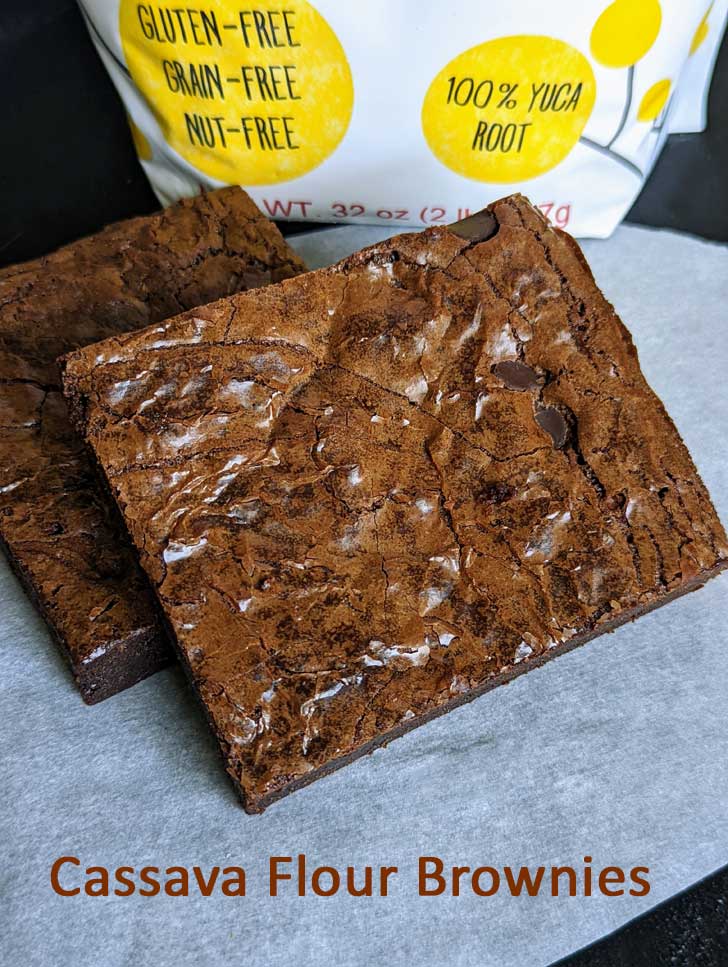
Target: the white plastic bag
pixel 410 112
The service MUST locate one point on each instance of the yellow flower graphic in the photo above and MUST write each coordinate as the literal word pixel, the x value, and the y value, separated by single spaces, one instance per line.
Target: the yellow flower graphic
pixel 702 31
pixel 625 31
pixel 654 100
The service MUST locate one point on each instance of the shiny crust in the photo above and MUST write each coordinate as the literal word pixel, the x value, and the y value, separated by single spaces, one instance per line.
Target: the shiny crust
pixel 373 492
pixel 61 535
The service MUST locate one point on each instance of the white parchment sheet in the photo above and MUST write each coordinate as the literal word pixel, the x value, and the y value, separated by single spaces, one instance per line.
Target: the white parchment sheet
pixel 618 750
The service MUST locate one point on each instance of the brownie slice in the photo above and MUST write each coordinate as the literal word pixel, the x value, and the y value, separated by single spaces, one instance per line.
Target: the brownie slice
pixel 371 493
pixel 61 535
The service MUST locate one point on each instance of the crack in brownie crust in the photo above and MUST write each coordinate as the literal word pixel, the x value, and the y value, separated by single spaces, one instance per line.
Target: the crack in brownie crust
pixel 61 534
pixel 373 492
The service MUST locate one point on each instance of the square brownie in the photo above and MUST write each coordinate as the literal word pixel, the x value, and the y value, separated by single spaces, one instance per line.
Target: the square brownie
pixel 371 493
pixel 60 533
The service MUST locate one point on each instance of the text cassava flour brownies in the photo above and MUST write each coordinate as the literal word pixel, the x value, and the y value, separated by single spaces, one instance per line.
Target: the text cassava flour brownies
pixel 370 493
pixel 59 531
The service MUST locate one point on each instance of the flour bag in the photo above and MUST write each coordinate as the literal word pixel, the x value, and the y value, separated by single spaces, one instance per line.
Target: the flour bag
pixel 406 112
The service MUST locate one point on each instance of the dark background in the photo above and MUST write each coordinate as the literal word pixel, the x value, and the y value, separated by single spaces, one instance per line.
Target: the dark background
pixel 68 168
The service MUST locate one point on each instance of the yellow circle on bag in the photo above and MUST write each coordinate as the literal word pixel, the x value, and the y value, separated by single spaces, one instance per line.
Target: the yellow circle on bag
pixel 654 100
pixel 701 32
pixel 625 31
pixel 141 145
pixel 253 96
pixel 509 109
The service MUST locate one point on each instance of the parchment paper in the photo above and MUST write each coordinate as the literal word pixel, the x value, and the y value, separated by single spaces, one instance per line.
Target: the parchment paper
pixel 618 750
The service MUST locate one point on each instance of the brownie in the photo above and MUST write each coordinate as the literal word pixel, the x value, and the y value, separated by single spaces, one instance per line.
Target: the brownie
pixel 368 494
pixel 61 535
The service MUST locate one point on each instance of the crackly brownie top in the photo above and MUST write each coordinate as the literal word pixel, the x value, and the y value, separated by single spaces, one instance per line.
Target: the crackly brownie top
pixel 56 525
pixel 369 490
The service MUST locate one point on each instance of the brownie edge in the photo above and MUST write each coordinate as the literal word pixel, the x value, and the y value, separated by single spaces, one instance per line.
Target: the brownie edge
pixel 62 535
pixel 403 481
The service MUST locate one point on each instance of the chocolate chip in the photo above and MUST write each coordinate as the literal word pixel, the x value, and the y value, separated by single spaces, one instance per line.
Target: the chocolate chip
pixel 553 422
pixel 476 228
pixel 615 501
pixel 496 492
pixel 516 375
